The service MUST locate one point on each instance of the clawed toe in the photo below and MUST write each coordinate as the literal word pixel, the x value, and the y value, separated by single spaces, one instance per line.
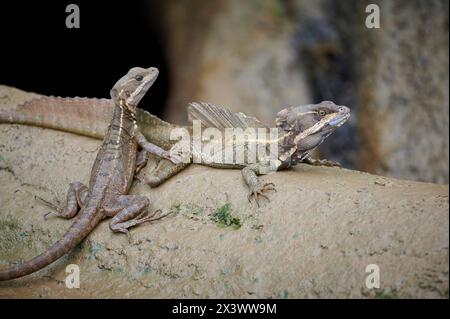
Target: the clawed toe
pixel 269 187
pixel 145 217
pixel 157 215
pixel 49 213
pixel 142 218
pixel 173 156
pixel 331 164
pixel 56 207
pixel 50 204
pixel 130 238
pixel 260 192
pixel 337 164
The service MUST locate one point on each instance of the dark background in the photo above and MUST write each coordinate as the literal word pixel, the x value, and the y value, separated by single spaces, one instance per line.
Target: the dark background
pixel 243 55
pixel 39 54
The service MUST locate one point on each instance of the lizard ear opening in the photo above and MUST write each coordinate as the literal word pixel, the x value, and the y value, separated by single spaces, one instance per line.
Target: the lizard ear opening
pixel 114 94
pixel 281 120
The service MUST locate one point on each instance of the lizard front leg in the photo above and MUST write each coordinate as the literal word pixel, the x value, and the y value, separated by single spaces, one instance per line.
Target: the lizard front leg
pixel 318 162
pixel 163 172
pixel 128 211
pixel 152 148
pixel 76 196
pixel 250 174
pixel 141 161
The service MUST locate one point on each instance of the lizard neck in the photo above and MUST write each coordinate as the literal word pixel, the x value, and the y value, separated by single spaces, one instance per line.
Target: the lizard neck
pixel 288 150
pixel 123 121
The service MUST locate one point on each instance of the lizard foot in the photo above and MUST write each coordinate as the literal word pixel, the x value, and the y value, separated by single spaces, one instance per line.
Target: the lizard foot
pixel 142 218
pixel 156 215
pixel 177 155
pixel 175 158
pixel 126 232
pixel 259 190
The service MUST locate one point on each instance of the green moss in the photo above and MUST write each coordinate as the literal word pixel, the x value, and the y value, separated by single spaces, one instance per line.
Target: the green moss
pixel 14 238
pixel 147 270
pixel 386 295
pixel 9 224
pixel 223 217
pixel 94 249
pixel 175 207
pixel 11 235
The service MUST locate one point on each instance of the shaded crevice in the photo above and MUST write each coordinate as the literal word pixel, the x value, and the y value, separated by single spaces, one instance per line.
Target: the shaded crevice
pixel 41 55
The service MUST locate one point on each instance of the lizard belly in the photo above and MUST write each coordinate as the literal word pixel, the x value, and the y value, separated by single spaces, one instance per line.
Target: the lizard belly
pixel 115 169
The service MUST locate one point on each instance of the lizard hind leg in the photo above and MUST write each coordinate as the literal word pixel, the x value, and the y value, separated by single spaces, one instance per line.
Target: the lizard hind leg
pixel 75 199
pixel 256 188
pixel 128 211
pixel 163 172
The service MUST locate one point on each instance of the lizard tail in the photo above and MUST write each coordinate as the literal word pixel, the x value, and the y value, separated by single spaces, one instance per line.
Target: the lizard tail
pixel 76 233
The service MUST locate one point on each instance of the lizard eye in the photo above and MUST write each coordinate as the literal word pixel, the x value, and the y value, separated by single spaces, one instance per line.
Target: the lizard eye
pixel 139 78
pixel 321 112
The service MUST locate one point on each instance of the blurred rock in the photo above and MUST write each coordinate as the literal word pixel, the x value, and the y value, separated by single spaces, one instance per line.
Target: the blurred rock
pixel 258 57
pixel 402 79
pixel 315 237
pixel 232 53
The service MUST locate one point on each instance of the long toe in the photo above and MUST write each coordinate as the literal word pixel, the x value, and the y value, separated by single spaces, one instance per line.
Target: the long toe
pixel 127 232
pixel 269 187
pixel 47 214
pixel 262 195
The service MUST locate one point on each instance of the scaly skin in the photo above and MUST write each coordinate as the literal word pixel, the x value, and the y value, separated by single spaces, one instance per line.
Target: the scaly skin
pixel 87 117
pixel 82 116
pixel 300 129
pixel 111 178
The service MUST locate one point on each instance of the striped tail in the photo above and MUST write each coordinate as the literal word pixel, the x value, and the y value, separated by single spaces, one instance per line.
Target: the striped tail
pixel 76 233
pixel 82 116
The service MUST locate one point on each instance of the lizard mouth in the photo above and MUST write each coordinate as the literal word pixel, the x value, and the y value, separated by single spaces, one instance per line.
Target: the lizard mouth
pixel 339 120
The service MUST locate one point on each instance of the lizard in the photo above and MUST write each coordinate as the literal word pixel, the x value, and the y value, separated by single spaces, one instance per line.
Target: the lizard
pixel 299 130
pixel 110 179
pixel 87 118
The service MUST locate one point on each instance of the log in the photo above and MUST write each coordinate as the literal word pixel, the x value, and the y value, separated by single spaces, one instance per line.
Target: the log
pixel 314 239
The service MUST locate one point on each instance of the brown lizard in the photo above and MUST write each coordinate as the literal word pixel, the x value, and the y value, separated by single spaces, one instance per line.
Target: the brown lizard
pixel 111 177
pixel 87 117
pixel 298 131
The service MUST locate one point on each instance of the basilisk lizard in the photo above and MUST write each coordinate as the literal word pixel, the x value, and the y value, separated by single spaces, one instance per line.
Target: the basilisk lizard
pixel 110 180
pixel 301 129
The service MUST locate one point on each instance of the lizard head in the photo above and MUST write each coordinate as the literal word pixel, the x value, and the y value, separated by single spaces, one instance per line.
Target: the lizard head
pixel 307 126
pixel 131 88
